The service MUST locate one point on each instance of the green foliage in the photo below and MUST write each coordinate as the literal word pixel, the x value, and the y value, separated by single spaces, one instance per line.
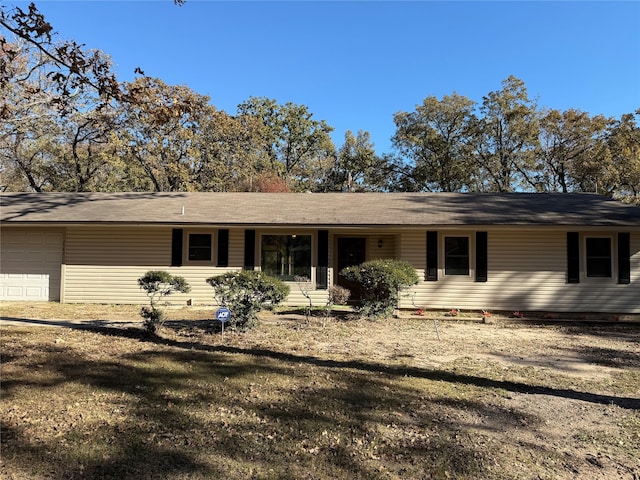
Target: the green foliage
pixel 299 147
pixel 436 137
pixel 70 125
pixel 571 146
pixel 623 152
pixel 357 167
pixel 506 137
pixel 156 112
pixel 381 281
pixel 245 293
pixel 159 284
pixel 154 318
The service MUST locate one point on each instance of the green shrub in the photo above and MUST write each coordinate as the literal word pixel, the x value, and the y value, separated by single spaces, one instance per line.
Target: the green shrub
pixel 159 284
pixel 380 282
pixel 245 293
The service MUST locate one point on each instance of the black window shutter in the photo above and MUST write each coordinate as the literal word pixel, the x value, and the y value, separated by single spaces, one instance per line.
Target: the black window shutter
pixel 481 257
pixel 223 248
pixel 176 247
pixel 624 258
pixel 249 249
pixel 322 276
pixel 432 256
pixel 573 257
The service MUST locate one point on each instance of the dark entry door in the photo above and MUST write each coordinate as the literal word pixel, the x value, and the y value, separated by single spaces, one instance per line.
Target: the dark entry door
pixel 351 251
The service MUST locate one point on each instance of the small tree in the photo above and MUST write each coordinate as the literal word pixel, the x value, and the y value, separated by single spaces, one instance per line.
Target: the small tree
pixel 245 293
pixel 159 284
pixel 381 282
pixel 306 287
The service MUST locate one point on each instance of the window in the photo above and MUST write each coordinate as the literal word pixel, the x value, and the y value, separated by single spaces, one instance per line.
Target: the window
pixel 286 256
pixel 200 247
pixel 598 257
pixel 456 255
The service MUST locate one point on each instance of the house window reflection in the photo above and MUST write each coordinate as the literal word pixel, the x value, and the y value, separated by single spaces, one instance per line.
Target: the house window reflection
pixel 286 256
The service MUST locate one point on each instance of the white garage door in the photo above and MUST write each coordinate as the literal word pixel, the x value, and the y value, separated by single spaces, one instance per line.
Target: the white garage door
pixel 30 263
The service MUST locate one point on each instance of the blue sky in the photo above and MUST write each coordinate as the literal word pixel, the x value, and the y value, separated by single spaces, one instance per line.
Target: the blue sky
pixel 355 64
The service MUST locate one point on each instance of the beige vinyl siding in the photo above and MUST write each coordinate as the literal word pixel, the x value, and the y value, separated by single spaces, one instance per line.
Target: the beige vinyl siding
pixel 389 248
pixel 413 249
pixel 103 264
pixel 297 298
pixel 381 247
pixel 119 285
pixel 526 271
pixel 118 246
pixel 236 248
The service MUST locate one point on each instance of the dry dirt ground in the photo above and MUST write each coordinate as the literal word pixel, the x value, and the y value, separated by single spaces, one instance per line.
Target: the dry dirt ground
pixel 573 388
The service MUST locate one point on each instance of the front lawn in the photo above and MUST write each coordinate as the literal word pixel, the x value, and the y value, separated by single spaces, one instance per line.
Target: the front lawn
pixel 347 399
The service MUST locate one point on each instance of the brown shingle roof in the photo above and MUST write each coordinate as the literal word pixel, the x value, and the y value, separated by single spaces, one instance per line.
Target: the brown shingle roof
pixel 358 209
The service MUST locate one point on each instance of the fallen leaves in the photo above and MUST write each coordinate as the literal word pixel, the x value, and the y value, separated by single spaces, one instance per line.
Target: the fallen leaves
pixel 332 405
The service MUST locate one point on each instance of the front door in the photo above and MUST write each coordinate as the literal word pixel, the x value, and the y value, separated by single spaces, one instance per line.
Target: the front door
pixel 351 252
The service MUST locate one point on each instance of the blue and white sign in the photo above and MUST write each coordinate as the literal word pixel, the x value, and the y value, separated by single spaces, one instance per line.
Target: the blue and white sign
pixel 223 314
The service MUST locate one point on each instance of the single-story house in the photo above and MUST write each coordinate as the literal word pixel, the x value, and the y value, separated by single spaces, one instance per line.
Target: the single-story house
pixel 517 251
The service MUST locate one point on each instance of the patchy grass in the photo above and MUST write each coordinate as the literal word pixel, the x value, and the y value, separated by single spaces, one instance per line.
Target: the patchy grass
pixel 291 400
